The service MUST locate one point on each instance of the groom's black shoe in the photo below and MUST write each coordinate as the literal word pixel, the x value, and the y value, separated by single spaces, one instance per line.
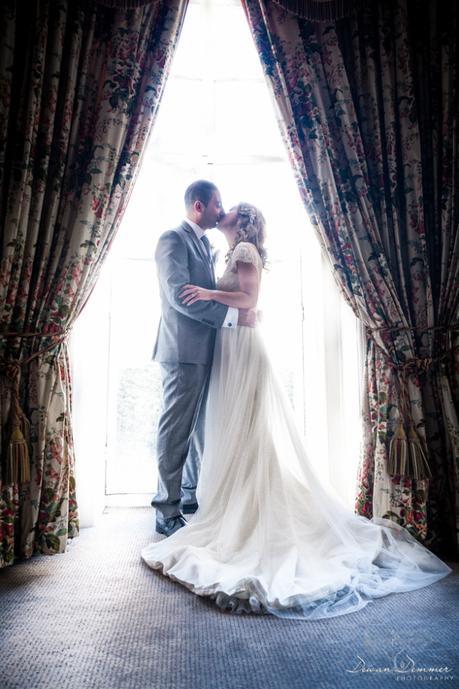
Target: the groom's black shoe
pixel 169 525
pixel 190 508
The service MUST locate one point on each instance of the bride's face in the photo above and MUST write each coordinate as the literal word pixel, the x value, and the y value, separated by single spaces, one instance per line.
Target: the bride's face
pixel 229 221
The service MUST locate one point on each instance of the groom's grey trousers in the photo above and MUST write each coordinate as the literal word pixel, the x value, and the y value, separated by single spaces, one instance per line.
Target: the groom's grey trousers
pixel 180 435
pixel 184 348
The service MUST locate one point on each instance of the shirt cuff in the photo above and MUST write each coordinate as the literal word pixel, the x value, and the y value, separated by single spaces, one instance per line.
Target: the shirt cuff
pixel 232 317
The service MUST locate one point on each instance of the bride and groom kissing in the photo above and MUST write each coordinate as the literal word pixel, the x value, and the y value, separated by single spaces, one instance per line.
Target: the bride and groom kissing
pixel 185 347
pixel 263 534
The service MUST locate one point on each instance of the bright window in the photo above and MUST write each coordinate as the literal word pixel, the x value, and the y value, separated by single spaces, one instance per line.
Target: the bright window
pixel 216 121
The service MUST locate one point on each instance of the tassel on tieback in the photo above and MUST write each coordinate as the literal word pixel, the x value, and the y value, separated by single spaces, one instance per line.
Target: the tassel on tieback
pixel 18 460
pixel 419 465
pixel 408 454
pixel 17 469
pixel 398 452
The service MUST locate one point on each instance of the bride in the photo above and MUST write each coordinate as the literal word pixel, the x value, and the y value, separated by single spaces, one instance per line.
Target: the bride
pixel 268 537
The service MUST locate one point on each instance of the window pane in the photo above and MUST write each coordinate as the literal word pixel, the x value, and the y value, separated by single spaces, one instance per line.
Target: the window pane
pixel 134 380
pixel 190 54
pixel 217 38
pixel 233 52
pixel 182 125
pixel 236 105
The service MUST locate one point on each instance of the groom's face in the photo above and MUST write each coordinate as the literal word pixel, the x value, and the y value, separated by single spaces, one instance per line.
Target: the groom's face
pixel 213 212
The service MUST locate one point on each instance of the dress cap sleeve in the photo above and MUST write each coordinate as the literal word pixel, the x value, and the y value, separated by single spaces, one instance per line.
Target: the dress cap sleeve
pixel 247 253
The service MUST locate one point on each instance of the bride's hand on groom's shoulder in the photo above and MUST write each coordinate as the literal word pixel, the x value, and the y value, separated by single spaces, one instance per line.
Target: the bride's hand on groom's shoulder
pixel 192 293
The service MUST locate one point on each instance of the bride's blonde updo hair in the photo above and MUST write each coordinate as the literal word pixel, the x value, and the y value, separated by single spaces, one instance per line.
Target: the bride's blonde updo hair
pixel 251 228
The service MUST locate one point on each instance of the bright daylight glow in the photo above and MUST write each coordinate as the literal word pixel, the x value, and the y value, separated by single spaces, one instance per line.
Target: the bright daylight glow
pixel 216 121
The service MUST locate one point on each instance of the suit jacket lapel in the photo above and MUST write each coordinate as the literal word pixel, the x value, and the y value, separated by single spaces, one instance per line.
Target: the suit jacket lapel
pixel 201 248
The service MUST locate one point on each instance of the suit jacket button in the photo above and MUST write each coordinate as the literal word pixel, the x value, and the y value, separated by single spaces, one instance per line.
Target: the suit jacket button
pixel 230 325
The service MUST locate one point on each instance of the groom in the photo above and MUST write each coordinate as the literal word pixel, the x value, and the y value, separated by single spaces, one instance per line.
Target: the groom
pixel 184 348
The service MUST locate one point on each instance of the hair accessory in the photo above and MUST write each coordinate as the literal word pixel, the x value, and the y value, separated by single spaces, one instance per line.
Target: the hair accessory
pixel 248 211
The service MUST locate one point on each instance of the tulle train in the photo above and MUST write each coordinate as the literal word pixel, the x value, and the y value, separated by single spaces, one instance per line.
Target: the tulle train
pixel 268 537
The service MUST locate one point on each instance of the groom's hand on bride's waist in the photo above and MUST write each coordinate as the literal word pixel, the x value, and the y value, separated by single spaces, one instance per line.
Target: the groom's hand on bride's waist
pixel 247 318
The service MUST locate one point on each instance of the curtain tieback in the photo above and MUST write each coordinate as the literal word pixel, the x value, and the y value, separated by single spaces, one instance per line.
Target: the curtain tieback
pixel 408 453
pixel 17 463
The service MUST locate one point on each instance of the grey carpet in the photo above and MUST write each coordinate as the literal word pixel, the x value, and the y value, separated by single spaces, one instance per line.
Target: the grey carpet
pixel 98 618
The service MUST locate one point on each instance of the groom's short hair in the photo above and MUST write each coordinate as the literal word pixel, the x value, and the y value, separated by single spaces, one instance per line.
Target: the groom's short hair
pixel 201 190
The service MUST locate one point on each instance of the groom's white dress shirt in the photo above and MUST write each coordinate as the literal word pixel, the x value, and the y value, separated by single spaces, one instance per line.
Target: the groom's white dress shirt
pixel 233 313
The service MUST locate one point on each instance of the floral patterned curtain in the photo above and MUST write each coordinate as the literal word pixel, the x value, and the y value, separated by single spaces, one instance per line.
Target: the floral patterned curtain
pixel 80 85
pixel 368 108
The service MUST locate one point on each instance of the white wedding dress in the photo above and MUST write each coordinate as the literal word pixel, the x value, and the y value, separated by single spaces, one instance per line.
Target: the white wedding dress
pixel 268 537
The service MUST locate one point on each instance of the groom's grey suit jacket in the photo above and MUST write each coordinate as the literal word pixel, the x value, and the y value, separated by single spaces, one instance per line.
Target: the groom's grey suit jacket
pixel 186 334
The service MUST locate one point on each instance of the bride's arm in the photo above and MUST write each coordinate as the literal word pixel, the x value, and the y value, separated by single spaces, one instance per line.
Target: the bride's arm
pixel 245 299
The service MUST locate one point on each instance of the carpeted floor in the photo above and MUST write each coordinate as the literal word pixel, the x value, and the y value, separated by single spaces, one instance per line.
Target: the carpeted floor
pixel 98 618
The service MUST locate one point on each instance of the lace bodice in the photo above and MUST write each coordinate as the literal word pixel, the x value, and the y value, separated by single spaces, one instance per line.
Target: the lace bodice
pixel 245 252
